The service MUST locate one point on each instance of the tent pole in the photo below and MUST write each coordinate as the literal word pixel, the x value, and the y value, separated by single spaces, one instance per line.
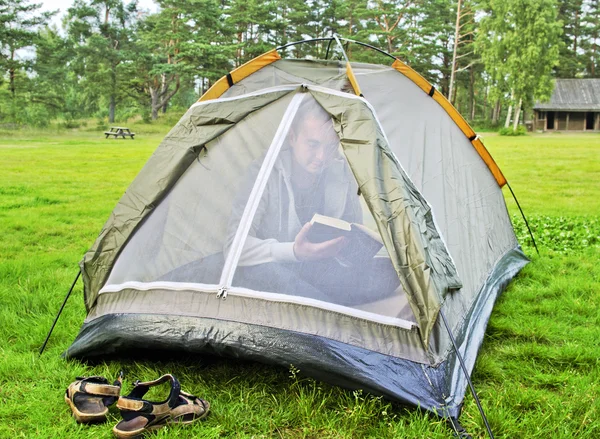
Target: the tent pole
pixel 337 40
pixel 311 40
pixel 60 312
pixel 464 369
pixel 370 47
pixel 328 47
pixel 525 219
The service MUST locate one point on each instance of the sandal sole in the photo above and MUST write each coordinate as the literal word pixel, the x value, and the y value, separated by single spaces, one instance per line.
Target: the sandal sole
pixel 139 433
pixel 122 434
pixel 85 418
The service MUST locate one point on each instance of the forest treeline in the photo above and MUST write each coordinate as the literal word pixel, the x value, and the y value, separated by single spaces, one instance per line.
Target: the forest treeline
pixel 112 59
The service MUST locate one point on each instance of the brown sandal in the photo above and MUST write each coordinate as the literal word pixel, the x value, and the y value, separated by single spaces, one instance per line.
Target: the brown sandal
pixel 90 397
pixel 141 416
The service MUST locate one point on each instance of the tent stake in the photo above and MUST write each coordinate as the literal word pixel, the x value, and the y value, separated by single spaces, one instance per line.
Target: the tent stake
pixel 459 430
pixel 59 312
pixel 525 219
pixel 464 369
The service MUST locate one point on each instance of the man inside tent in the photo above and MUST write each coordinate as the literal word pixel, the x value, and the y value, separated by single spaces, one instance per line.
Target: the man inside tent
pixel 310 176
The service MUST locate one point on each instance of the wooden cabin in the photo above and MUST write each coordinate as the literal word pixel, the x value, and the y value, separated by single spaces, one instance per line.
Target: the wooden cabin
pixel 574 106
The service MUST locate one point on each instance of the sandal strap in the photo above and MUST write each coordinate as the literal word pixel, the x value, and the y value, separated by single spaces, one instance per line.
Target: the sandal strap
pixel 95 386
pixel 166 377
pixel 133 405
pixel 99 389
pixel 87 385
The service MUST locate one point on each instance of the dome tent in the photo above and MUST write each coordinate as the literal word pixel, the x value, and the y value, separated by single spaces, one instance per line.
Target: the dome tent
pixel 199 255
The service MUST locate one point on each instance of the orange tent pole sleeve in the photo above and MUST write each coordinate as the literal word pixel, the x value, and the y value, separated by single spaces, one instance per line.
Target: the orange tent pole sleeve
pixel 352 78
pixel 456 117
pixel 236 75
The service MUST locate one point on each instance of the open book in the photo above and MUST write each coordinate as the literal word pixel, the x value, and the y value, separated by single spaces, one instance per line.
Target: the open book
pixel 364 242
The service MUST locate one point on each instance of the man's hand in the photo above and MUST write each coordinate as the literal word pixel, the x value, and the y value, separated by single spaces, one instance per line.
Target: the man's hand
pixel 312 251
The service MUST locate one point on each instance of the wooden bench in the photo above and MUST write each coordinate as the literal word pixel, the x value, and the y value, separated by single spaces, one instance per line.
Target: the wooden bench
pixel 119 132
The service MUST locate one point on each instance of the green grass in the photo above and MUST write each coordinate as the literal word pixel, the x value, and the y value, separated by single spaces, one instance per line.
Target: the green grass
pixel 536 374
pixel 551 174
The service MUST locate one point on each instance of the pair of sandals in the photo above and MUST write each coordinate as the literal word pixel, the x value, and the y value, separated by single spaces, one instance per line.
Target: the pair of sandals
pixel 90 398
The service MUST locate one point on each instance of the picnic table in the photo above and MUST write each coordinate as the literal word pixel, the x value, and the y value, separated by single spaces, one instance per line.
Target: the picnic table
pixel 119 131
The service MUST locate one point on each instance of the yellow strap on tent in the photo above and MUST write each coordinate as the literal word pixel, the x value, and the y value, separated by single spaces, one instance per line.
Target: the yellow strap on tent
pixel 412 75
pixel 487 158
pixel 456 117
pixel 236 75
pixel 352 78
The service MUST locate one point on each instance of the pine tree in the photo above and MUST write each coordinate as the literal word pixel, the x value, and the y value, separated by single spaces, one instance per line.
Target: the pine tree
pixel 100 31
pixel 172 47
pixel 570 14
pixel 591 38
pixel 54 85
pixel 434 42
pixel 389 24
pixel 288 23
pixel 19 23
pixel 247 22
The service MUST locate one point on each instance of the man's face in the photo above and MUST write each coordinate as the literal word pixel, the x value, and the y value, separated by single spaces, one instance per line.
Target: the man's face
pixel 314 144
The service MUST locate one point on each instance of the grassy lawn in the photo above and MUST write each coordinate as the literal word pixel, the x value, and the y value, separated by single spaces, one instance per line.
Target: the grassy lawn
pixel 552 174
pixel 537 373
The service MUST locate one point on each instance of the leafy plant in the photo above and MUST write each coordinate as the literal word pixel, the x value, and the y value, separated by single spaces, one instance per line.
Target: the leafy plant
pixel 559 234
pixel 520 131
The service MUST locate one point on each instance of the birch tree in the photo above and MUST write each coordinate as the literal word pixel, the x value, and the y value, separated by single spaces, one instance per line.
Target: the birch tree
pixel 463 42
pixel 519 45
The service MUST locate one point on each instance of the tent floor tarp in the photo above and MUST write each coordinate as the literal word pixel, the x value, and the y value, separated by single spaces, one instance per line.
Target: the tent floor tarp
pixel 325 359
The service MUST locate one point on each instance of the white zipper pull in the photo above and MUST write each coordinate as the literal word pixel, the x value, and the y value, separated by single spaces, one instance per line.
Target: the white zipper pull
pixel 222 293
